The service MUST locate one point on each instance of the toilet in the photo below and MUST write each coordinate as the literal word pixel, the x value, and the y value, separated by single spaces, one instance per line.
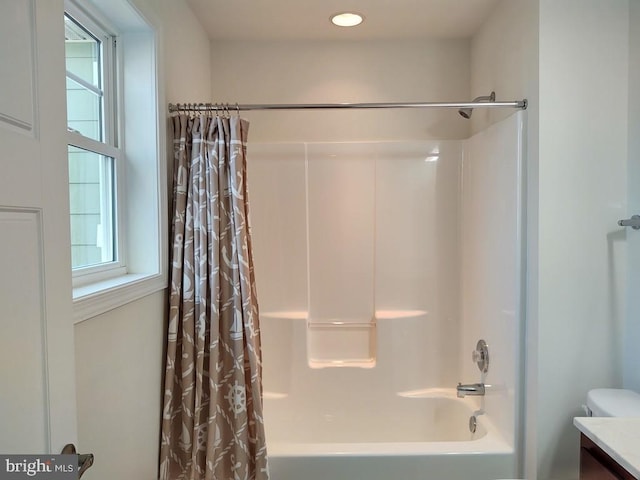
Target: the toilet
pixel 612 402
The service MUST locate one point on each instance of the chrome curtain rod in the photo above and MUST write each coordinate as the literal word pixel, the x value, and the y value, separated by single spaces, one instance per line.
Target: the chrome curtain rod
pixel 208 107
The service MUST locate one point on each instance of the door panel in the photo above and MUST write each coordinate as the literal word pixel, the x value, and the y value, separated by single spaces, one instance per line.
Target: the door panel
pixel 16 31
pixel 37 394
pixel 17 101
pixel 22 341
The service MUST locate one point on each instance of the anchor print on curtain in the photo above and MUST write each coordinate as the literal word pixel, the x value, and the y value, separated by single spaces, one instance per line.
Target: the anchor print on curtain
pixel 212 424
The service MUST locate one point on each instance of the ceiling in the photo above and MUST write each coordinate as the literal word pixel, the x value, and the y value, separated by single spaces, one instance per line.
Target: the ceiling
pixel 309 19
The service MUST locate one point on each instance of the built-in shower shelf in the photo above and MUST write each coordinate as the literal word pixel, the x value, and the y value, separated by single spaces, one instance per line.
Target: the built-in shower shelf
pixel 340 324
pixel 354 363
pixel 337 342
pixel 398 314
pixel 379 315
pixel 286 315
pixel 341 343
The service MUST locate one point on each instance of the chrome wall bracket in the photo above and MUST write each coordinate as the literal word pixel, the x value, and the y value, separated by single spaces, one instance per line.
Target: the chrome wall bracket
pixel 633 222
pixel 481 356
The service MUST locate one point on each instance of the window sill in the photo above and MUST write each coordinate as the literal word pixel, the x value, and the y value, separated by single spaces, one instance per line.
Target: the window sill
pixel 100 297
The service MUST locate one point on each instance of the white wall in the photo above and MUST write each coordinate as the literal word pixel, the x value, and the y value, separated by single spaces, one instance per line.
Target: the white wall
pixel 184 60
pixel 504 59
pixel 631 373
pixel 334 72
pixel 119 355
pixel 119 371
pixel 584 53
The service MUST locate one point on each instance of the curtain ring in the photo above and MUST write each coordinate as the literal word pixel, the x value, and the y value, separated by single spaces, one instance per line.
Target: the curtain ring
pixel 217 111
pixel 238 109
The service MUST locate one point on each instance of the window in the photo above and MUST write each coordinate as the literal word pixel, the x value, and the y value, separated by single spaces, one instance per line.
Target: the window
pixel 118 222
pixel 95 159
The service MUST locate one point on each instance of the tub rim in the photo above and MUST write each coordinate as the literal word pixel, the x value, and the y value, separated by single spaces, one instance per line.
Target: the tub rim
pixel 491 442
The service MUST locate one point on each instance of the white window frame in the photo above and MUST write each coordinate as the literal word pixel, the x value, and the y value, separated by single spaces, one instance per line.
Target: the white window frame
pixel 110 146
pixel 142 194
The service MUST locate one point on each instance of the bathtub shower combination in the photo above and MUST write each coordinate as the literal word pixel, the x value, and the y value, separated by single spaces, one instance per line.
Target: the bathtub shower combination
pixel 379 267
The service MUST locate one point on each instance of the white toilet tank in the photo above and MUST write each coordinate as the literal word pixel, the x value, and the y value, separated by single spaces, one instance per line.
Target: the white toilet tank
pixel 613 402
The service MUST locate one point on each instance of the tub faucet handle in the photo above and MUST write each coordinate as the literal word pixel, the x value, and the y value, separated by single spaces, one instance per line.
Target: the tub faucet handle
pixel 480 356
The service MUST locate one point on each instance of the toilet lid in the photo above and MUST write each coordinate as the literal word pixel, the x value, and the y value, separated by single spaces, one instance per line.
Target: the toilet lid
pixel 613 402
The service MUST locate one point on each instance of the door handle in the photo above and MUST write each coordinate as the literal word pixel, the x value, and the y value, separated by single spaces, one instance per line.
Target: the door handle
pixel 85 460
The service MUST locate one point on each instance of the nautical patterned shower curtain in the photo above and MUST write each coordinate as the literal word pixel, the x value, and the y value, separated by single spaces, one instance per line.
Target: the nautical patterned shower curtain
pixel 212 425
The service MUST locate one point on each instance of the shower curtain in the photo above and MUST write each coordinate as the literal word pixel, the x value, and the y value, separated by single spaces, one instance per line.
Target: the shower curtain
pixel 212 425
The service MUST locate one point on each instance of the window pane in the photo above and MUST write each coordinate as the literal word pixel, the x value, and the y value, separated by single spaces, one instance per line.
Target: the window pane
pixel 82 52
pixel 91 197
pixel 84 111
pixel 84 81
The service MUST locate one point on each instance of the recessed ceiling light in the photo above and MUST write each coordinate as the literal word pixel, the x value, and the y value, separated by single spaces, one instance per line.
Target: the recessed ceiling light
pixel 347 19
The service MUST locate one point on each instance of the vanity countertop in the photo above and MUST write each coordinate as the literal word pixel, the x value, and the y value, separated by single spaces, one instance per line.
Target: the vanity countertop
pixel 617 436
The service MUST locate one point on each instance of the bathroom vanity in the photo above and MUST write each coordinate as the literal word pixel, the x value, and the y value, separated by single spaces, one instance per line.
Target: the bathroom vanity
pixel 609 448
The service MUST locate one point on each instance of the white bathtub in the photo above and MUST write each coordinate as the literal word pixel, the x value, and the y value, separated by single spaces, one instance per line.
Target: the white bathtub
pixel 420 435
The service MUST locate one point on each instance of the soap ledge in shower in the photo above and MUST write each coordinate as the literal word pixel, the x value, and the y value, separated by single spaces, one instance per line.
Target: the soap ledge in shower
pixel 286 315
pixel 354 363
pixel 397 314
pixel 341 343
pixel 379 315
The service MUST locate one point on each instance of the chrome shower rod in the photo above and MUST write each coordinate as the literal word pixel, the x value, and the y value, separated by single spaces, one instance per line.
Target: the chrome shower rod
pixel 208 107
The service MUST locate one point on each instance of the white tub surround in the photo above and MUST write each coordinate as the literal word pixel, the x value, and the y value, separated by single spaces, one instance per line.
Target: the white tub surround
pixel 619 437
pixel 356 248
pixel 379 265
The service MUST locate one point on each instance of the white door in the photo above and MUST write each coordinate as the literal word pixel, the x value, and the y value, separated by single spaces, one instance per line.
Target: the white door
pixel 37 380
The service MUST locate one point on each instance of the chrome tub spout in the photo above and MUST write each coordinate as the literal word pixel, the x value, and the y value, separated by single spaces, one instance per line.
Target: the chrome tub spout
pixel 470 389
